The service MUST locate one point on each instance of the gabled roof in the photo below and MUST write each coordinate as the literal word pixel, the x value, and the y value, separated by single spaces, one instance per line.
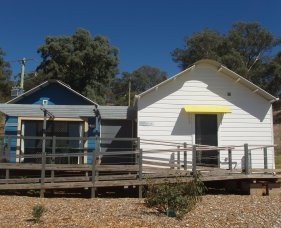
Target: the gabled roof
pixel 223 69
pixel 44 84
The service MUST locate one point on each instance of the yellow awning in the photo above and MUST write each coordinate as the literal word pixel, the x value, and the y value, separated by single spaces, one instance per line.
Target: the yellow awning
pixel 206 109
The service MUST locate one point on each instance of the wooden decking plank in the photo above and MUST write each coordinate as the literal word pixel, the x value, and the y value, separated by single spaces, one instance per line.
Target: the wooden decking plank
pixel 27 166
pixel 126 175
pixel 46 186
pixel 47 180
pixel 146 162
pixel 113 168
pixel 66 167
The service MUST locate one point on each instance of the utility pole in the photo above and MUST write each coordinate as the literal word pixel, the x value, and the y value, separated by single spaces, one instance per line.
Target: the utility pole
pixel 18 90
pixel 22 62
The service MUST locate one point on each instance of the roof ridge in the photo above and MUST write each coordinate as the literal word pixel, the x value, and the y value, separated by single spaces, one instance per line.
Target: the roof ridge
pixel 46 83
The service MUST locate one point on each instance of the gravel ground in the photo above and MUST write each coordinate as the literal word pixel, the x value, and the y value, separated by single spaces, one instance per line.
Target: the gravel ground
pixel 212 211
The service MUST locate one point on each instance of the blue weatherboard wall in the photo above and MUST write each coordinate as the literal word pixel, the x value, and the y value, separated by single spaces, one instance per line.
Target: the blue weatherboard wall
pixel 11 127
pixel 55 94
pixel 93 131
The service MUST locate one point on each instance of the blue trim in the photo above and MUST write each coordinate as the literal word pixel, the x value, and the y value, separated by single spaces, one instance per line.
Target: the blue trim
pixel 92 132
pixel 11 128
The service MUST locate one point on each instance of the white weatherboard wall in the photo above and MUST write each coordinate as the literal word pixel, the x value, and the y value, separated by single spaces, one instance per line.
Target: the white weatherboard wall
pixel 161 114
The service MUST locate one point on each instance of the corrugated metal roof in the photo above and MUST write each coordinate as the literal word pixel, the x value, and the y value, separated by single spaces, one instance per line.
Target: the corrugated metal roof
pixel 117 112
pixel 32 110
pixel 71 111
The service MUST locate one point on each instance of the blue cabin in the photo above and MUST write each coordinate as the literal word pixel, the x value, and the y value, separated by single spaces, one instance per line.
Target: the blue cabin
pixel 73 121
pixel 70 115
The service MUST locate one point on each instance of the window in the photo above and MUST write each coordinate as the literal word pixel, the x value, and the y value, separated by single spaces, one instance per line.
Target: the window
pixel 45 102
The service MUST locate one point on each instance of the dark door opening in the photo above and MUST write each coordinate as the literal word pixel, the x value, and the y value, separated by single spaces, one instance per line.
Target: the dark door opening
pixel 206 133
pixel 64 129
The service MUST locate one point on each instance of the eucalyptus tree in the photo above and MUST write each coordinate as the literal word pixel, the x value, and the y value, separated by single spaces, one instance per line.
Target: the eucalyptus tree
pixel 81 60
pixel 247 49
pixel 137 82
pixel 5 74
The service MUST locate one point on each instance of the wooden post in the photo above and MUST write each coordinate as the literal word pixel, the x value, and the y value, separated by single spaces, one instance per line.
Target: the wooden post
pixel 194 172
pixel 53 159
pixel 7 175
pixel 246 158
pixel 43 157
pixel 230 159
pixel 20 138
pixel 265 158
pixel 172 161
pixel 95 153
pixel 140 172
pixel 184 157
pixel 178 158
pixel 250 160
pixel 138 149
pixel 9 148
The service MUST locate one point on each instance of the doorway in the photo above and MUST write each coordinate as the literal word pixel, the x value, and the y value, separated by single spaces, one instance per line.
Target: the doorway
pixel 63 130
pixel 206 133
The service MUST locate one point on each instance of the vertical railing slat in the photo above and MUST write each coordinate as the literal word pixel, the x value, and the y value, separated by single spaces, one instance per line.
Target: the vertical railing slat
pixel 178 158
pixel 246 158
pixel 43 155
pixel 53 159
pixel 140 172
pixel 194 172
pixel 184 156
pixel 95 153
pixel 230 159
pixel 265 159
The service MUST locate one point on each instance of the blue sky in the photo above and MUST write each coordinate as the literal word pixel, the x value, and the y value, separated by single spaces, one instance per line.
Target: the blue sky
pixel 144 31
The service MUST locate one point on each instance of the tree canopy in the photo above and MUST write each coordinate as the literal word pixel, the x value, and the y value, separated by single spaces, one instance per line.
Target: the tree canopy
pixel 90 66
pixel 245 49
pixel 139 80
pixel 80 60
pixel 5 74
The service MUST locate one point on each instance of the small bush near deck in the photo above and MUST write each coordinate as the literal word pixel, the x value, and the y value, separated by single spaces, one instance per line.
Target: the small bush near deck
pixel 37 212
pixel 174 199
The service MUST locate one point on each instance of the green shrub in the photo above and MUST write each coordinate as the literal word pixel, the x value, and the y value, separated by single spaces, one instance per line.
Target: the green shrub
pixel 37 212
pixel 174 199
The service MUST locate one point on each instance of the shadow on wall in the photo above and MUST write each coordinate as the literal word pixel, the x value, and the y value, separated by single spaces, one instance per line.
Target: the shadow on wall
pixel 117 129
pixel 183 125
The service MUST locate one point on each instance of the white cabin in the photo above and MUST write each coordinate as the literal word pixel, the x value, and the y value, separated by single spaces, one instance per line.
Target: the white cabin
pixel 208 104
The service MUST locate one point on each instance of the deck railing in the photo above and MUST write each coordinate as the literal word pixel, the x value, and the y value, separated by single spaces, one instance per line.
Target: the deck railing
pixel 183 156
pixel 101 162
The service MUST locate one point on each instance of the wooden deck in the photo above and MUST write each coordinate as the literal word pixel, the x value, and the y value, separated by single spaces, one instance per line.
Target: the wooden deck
pixel 140 171
pixel 80 176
